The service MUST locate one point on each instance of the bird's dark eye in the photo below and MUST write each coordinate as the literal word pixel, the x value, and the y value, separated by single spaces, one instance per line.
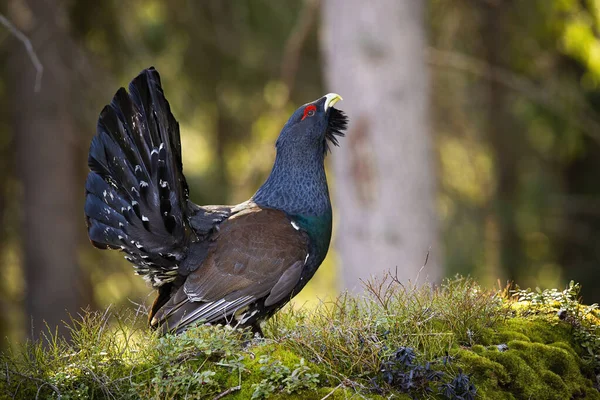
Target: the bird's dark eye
pixel 309 111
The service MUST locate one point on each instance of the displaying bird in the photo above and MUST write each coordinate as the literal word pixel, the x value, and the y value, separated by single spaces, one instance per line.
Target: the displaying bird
pixel 233 265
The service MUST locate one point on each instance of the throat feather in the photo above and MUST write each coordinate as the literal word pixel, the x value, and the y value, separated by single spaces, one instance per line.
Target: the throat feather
pixel 296 186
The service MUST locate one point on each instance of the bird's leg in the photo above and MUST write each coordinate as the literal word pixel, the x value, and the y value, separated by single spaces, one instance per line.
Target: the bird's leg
pixel 256 330
pixel 257 335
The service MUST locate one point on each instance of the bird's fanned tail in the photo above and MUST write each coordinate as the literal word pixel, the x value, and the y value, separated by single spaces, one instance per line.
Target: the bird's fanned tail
pixel 136 193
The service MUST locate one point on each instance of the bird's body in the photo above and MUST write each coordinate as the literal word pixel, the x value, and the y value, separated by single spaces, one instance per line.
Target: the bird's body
pixel 217 264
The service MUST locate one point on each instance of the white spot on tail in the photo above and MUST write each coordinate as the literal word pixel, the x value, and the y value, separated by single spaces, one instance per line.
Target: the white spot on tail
pixel 144 218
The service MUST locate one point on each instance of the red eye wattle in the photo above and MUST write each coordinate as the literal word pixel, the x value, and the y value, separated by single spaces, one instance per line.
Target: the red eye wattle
pixel 309 111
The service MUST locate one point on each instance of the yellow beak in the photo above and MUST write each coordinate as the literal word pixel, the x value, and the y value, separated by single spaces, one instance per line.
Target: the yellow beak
pixel 331 99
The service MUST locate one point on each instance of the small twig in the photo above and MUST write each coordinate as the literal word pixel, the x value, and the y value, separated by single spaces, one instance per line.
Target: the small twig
pixel 100 382
pixel 105 317
pixel 39 68
pixel 334 389
pixel 295 42
pixel 44 383
pixel 14 395
pixel 426 257
pixel 37 394
pixel 228 392
pixel 131 374
pixel 423 266
pixel 7 375
pixel 554 100
pixel 430 334
pixel 141 308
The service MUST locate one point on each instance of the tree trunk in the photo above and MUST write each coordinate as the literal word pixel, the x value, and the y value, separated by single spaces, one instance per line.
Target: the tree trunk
pixel 580 238
pixel 384 177
pixel 45 136
pixel 501 136
pixel 5 161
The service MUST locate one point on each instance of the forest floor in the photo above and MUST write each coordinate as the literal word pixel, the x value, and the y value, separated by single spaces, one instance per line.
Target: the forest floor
pixel 452 341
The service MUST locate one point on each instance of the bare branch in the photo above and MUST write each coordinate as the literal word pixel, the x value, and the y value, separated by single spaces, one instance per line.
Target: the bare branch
pixel 334 389
pixel 295 42
pixel 551 98
pixel 43 383
pixel 423 266
pixel 39 68
pixel 227 392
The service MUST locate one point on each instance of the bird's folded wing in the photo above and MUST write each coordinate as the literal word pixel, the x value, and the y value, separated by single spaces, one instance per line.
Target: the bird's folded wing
pixel 257 254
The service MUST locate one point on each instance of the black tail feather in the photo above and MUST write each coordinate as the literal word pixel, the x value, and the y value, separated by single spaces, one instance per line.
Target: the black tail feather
pixel 136 194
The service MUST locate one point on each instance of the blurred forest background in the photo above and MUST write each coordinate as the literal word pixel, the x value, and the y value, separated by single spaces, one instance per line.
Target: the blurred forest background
pixel 495 127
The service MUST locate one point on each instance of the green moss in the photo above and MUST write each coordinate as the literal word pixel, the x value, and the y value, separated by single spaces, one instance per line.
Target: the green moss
pixel 527 329
pixel 308 354
pixel 483 368
pixel 529 371
pixel 478 348
pixel 339 393
pixel 565 346
pixel 554 382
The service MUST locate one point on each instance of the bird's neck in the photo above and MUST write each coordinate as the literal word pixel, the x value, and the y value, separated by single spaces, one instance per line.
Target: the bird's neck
pixel 297 184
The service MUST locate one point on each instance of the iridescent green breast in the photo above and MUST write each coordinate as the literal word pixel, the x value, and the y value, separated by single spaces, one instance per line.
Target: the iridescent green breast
pixel 318 228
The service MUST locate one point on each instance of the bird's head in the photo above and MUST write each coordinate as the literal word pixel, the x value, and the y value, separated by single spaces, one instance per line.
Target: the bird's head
pixel 297 183
pixel 314 125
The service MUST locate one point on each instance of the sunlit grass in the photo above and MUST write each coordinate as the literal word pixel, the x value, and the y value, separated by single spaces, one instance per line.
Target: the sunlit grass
pixel 395 340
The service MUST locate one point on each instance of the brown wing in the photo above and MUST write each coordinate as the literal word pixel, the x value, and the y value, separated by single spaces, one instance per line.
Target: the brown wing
pixel 256 253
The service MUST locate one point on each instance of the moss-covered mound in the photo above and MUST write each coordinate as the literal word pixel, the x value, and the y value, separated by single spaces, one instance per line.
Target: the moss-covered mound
pixel 455 341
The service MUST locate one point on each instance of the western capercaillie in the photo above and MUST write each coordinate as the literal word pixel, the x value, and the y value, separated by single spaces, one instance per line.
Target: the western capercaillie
pixel 236 264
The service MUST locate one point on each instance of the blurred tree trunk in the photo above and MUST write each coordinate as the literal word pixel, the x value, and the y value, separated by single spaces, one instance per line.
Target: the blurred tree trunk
pixel 580 253
pixel 501 128
pixel 5 167
pixel 384 177
pixel 45 137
